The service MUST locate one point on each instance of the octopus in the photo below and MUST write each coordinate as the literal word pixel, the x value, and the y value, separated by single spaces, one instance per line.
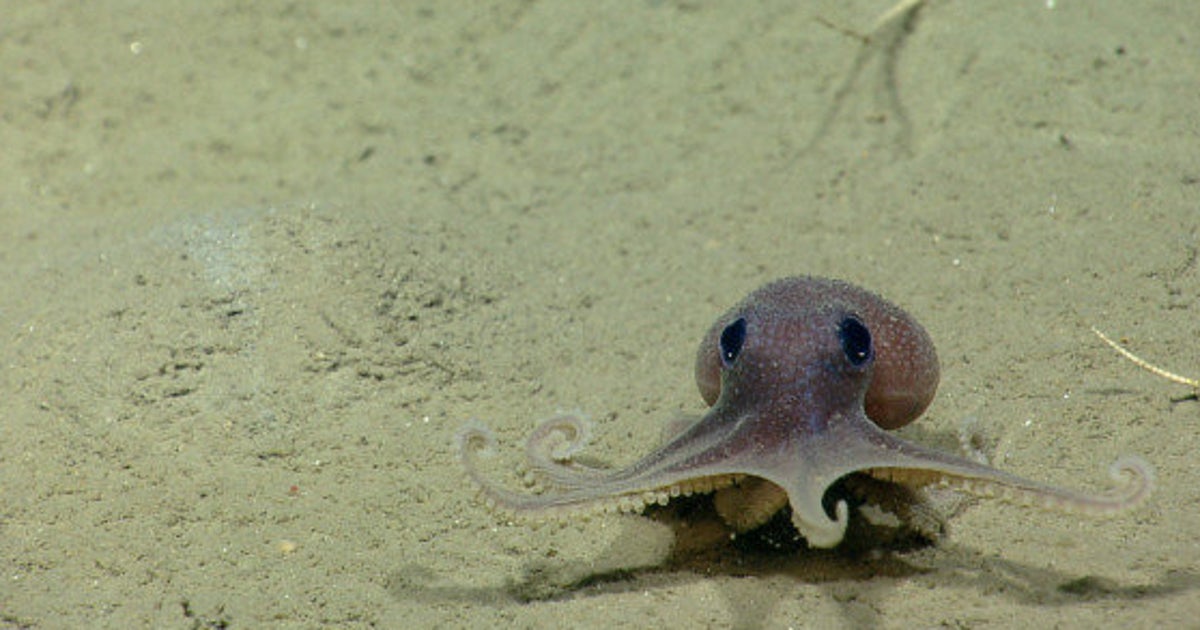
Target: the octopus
pixel 806 380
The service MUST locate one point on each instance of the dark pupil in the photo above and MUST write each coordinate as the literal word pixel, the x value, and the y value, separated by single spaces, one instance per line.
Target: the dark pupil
pixel 732 339
pixel 856 340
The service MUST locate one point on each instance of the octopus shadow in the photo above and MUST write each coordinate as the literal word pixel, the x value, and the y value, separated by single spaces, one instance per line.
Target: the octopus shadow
pixel 859 575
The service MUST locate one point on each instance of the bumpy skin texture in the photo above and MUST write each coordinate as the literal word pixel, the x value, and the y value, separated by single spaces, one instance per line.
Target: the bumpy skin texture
pixel 805 377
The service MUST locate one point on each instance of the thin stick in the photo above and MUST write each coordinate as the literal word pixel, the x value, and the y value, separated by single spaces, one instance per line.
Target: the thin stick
pixel 900 8
pixel 1148 366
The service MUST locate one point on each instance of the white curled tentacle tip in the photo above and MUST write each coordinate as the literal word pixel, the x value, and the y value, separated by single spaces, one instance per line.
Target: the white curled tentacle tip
pixel 973 443
pixel 829 533
pixel 564 436
pixel 1135 475
pixel 475 438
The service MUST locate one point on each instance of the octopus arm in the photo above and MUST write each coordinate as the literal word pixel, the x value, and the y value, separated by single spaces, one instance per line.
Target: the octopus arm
pixel 579 489
pixel 1134 478
pixel 863 447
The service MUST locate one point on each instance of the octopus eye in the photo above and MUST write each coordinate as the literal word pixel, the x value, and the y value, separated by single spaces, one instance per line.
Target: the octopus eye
pixel 856 340
pixel 732 340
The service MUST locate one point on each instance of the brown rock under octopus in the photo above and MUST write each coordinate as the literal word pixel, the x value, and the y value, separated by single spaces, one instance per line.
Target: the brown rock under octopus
pixel 805 377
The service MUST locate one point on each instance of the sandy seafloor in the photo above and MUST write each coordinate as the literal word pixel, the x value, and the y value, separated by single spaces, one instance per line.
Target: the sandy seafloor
pixel 263 260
